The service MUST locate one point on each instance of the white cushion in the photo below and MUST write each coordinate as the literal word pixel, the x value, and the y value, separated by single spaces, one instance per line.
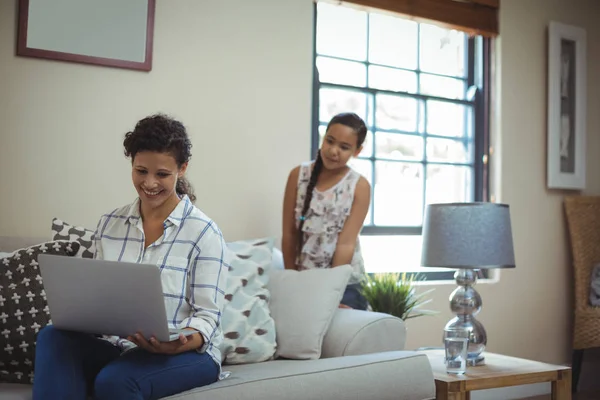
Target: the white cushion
pixel 303 304
pixel 277 259
pixel 248 328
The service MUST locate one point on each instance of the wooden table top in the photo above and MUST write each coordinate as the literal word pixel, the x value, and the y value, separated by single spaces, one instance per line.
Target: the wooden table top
pixel 498 371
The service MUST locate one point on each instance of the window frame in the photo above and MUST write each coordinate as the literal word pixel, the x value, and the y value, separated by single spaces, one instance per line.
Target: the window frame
pixel 478 60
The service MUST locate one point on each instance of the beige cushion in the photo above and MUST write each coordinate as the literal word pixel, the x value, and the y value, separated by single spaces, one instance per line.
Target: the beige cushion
pixel 302 305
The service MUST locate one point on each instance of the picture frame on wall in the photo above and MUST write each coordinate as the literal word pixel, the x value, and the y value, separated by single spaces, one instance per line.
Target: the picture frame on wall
pixel 111 33
pixel 567 107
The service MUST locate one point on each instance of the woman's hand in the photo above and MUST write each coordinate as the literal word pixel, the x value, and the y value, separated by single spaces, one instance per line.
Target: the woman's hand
pixel 182 344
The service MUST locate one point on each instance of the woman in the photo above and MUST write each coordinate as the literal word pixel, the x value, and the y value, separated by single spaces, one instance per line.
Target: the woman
pixel 160 227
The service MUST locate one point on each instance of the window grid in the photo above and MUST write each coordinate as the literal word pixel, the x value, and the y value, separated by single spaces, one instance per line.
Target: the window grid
pixel 476 56
pixel 422 107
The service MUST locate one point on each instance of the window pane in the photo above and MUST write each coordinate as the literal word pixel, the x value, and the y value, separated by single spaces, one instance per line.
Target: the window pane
pixel 365 168
pixel 381 254
pixel 446 119
pixel 448 150
pixel 434 85
pixel 399 147
pixel 341 32
pixel 322 130
pixel 370 111
pixel 398 193
pixel 396 112
pixel 421 121
pixel 393 41
pixel 392 79
pixel 332 70
pixel 448 184
pixel 335 101
pixel 367 150
pixel 443 51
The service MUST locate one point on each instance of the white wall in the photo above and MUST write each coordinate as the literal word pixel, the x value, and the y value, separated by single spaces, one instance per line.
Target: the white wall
pixel 238 73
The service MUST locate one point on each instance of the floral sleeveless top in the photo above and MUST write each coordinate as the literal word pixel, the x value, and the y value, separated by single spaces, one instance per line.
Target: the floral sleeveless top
pixel 324 221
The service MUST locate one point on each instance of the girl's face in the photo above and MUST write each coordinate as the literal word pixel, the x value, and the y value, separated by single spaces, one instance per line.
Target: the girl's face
pixel 339 145
pixel 154 177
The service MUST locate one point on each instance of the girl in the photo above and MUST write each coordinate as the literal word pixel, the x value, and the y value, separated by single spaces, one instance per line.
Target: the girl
pixel 160 227
pixel 325 205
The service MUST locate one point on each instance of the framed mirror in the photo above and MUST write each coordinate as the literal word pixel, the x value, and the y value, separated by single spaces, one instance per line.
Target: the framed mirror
pixel 112 33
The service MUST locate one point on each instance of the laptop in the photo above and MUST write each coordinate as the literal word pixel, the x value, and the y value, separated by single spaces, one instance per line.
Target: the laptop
pixel 106 297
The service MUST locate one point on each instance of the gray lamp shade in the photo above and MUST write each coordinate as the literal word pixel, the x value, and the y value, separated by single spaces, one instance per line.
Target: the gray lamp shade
pixel 467 235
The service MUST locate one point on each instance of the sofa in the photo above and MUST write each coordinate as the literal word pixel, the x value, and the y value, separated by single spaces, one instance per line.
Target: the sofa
pixel 362 357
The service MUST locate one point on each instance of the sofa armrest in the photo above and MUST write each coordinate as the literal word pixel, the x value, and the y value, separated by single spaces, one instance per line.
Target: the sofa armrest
pixel 355 332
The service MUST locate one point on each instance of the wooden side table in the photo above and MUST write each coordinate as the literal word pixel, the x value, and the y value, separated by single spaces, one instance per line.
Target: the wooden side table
pixel 499 371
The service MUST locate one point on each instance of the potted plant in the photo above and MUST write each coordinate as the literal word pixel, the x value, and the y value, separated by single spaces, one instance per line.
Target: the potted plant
pixel 395 294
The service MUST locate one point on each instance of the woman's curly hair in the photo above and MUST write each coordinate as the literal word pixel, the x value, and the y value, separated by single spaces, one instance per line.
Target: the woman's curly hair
pixel 162 134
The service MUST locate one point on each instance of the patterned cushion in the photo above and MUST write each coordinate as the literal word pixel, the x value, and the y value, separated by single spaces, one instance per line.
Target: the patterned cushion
pixel 248 327
pixel 23 308
pixel 64 231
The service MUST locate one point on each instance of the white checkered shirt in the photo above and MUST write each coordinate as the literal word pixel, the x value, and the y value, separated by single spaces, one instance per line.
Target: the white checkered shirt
pixel 193 261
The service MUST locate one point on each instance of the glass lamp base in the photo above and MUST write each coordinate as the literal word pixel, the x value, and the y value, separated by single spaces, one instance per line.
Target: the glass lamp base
pixel 473 362
pixel 465 302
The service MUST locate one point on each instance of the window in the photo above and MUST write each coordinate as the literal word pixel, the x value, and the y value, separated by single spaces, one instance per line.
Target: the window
pixel 421 90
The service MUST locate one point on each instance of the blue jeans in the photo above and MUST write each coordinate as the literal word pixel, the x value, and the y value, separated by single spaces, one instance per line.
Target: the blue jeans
pixel 72 365
pixel 354 298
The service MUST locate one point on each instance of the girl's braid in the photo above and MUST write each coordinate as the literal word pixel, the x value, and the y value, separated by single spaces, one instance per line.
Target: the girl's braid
pixel 314 176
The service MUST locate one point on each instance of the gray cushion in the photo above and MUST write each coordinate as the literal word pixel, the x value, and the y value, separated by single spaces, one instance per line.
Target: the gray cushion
pixel 398 375
pixel 14 391
pixel 354 332
pixel 303 305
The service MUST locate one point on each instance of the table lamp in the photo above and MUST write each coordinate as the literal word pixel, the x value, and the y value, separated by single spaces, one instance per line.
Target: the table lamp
pixel 467 237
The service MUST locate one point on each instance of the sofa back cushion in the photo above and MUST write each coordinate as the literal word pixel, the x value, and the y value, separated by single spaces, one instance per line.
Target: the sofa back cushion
pixel 9 244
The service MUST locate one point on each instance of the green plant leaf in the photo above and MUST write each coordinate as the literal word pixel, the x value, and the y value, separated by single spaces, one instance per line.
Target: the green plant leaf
pixel 396 294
